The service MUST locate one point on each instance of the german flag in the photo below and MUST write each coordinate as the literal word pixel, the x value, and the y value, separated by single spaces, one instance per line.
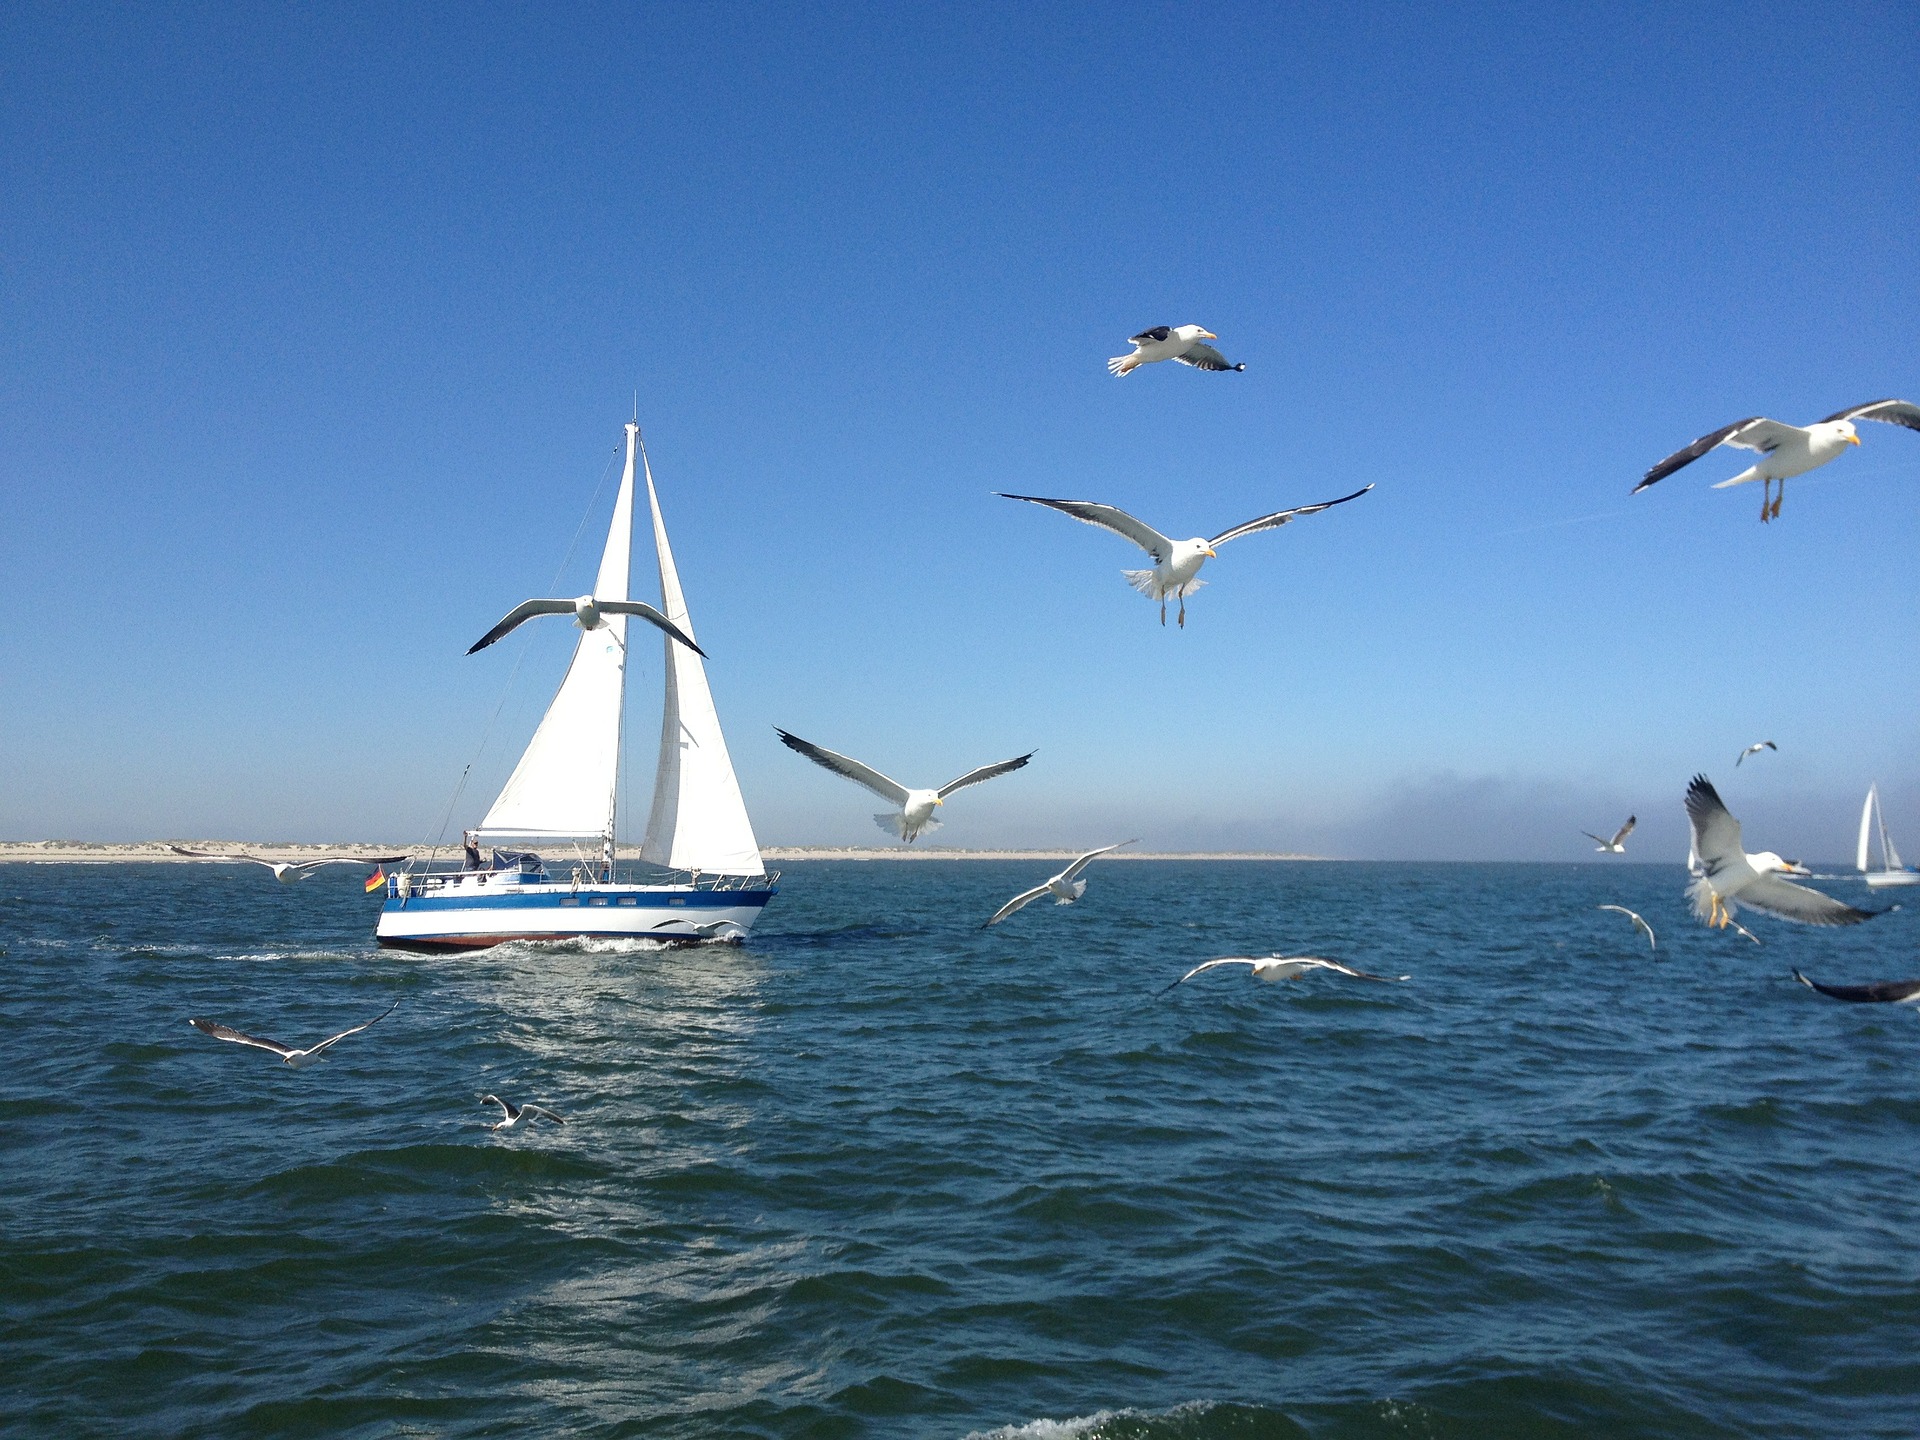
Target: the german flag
pixel 376 881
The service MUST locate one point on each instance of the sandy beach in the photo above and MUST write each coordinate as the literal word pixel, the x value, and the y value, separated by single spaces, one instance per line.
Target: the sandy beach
pixel 71 852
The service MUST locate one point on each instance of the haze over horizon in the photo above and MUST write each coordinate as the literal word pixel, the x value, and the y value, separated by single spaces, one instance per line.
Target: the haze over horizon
pixel 323 328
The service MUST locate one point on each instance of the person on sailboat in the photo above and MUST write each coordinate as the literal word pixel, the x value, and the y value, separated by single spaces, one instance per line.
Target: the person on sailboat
pixel 471 842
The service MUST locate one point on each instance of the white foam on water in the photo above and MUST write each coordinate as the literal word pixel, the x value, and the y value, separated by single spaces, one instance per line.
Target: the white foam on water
pixel 1049 1429
pixel 1045 1429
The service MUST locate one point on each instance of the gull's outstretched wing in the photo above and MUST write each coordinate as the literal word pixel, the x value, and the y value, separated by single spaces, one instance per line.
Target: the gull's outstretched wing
pixel 210 855
pixel 336 1039
pixel 889 790
pixel 1716 834
pixel 1596 839
pixel 1281 517
pixel 1203 356
pixel 1638 923
pixel 526 610
pixel 1025 897
pixel 1337 966
pixel 227 1032
pixel 646 612
pixel 1072 871
pixel 1208 965
pixel 542 1112
pixel 1151 337
pixel 347 860
pixel 1756 432
pixel 1882 992
pixel 1107 517
pixel 1894 412
pixel 530 608
pixel 1625 830
pixel 1796 902
pixel 985 772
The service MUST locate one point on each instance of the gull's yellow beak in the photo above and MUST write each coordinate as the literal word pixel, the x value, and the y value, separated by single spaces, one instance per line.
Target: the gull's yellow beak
pixel 1853 439
pixel 1208 335
pixel 1210 550
pixel 938 801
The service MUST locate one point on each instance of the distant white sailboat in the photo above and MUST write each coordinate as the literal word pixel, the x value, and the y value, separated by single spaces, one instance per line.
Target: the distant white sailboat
pixel 1891 871
pixel 565 790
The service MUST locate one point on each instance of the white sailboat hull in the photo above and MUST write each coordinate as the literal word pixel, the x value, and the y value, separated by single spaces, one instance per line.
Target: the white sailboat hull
pixel 469 916
pixel 1881 879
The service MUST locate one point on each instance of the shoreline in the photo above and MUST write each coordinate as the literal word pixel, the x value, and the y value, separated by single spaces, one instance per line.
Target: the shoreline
pixel 76 852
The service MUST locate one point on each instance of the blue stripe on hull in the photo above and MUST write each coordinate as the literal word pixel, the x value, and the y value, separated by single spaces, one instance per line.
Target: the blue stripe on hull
pixel 584 901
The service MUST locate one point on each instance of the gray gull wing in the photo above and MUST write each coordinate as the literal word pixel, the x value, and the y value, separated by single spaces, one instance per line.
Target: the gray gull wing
pixel 1107 517
pixel 985 772
pixel 844 765
pixel 1894 412
pixel 1281 517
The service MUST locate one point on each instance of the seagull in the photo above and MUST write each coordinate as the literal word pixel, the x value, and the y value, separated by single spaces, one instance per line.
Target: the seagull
pixel 514 1116
pixel 288 871
pixel 1284 967
pixel 1786 450
pixel 1618 844
pixel 1730 876
pixel 1175 562
pixel 1883 992
pixel 1066 887
pixel 1754 749
pixel 1638 924
pixel 589 613
pixel 916 806
pixel 298 1059
pixel 1171 342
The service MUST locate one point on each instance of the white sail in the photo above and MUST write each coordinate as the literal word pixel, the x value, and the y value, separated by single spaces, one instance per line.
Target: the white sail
pixel 699 822
pixel 1866 824
pixel 566 782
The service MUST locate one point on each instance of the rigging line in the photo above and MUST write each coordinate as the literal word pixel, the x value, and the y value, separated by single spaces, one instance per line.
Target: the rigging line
pixel 518 659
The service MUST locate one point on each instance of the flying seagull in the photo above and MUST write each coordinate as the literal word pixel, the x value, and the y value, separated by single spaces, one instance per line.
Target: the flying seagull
pixel 1754 749
pixel 1881 992
pixel 1284 967
pixel 1638 924
pixel 1785 450
pixel 288 871
pixel 1066 887
pixel 512 1116
pixel 1176 563
pixel 589 613
pixel 1184 343
pixel 916 806
pixel 1730 877
pixel 1618 844
pixel 298 1059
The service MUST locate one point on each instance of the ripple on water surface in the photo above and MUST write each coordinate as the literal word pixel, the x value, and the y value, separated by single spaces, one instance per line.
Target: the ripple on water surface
pixel 880 1172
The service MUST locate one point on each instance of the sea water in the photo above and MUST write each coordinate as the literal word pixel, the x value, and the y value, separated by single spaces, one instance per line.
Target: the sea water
pixel 881 1172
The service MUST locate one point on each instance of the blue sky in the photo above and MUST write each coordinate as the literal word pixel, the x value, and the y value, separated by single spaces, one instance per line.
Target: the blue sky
pixel 320 327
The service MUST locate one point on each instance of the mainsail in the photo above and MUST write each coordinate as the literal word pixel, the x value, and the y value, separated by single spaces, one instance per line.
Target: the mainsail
pixel 699 822
pixel 566 782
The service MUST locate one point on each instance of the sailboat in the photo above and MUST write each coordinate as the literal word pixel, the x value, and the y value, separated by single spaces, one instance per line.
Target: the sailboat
pixel 704 879
pixel 1891 871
